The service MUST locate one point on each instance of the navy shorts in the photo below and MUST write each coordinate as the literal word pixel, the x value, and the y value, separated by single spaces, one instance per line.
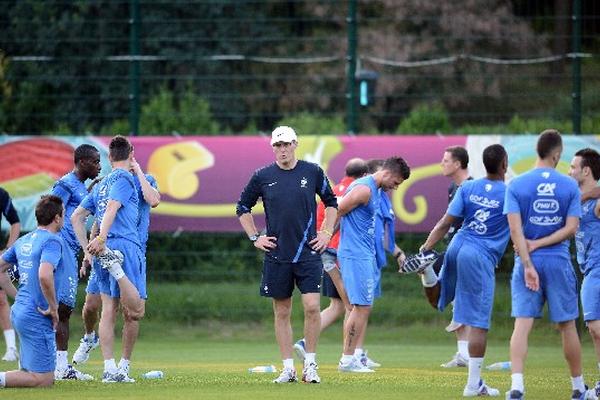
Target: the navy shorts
pixel 279 278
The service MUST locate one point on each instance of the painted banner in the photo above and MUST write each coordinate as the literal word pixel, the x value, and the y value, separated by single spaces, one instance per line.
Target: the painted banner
pixel 201 178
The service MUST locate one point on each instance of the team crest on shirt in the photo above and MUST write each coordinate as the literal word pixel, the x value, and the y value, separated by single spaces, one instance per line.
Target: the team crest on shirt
pixel 546 175
pixel 488 187
pixel 303 182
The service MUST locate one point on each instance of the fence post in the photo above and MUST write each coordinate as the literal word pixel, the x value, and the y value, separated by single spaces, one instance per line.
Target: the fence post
pixel 351 106
pixel 576 93
pixel 134 68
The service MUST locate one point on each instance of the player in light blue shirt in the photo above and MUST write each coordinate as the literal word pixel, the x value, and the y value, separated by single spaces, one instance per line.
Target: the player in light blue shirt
pixel 39 258
pixel 467 276
pixel 120 282
pixel 71 190
pixel 356 252
pixel 543 210
pixel 585 169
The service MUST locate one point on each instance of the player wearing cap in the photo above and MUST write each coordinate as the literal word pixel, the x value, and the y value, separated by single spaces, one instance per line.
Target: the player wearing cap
pixel 291 243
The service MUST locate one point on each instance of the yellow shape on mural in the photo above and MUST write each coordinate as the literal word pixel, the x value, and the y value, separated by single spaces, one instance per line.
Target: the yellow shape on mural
pixel 421 207
pixel 175 167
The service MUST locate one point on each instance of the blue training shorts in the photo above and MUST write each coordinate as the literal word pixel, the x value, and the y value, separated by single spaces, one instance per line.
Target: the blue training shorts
pixel 133 266
pixel 558 287
pixel 475 283
pixel 359 278
pixel 37 340
pixel 66 292
pixel 93 286
pixel 278 278
pixel 590 295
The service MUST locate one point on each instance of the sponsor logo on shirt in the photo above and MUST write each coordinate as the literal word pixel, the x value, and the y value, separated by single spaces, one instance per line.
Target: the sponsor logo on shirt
pixel 546 189
pixel 545 220
pixel 546 206
pixel 479 225
pixel 484 201
pixel 26 249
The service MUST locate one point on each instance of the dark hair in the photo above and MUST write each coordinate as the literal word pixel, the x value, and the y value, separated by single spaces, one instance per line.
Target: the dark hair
pixel 459 153
pixel 119 148
pixel 397 166
pixel 83 152
pixel 590 158
pixel 356 167
pixel 374 165
pixel 47 208
pixel 547 142
pixel 492 158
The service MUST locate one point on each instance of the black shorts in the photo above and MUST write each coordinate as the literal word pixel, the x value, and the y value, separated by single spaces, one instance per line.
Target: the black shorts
pixel 329 289
pixel 278 278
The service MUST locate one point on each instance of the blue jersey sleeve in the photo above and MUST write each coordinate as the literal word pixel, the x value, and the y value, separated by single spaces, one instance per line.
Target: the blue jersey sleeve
pixel 51 253
pixel 249 196
pixel 457 205
pixel 324 191
pixel 89 204
pixel 511 203
pixel 121 190
pixel 575 205
pixel 61 190
pixel 152 181
pixel 10 255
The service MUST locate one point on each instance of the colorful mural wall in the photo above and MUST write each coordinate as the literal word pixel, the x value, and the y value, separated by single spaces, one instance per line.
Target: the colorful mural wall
pixel 200 178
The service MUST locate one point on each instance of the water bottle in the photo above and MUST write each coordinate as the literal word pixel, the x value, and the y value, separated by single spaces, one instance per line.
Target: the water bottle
pixel 499 366
pixel 153 375
pixel 263 369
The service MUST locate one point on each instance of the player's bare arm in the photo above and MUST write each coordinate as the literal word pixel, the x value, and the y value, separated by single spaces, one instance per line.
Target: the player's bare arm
pixel 532 280
pixel 439 231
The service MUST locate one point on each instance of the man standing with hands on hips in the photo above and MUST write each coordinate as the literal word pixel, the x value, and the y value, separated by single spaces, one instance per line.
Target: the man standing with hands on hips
pixel 291 243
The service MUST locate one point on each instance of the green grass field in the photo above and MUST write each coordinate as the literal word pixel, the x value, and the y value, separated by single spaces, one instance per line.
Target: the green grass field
pixel 206 369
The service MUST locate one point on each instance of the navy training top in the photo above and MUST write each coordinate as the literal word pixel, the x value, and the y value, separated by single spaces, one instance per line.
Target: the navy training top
pixel 290 205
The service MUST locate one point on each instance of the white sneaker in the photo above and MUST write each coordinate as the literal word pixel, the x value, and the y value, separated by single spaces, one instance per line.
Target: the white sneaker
pixel 300 349
pixel 287 376
pixel 116 377
pixel 367 362
pixel 11 355
pixel 457 361
pixel 309 374
pixel 482 390
pixel 110 259
pixel 70 373
pixel 82 354
pixel 354 366
pixel 124 369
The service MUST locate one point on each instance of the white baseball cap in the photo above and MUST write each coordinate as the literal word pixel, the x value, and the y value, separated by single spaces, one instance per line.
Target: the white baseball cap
pixel 283 134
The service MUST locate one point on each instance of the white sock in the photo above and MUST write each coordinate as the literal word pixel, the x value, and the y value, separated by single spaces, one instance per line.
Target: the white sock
pixel 2 380
pixel 346 359
pixel 475 364
pixel 110 366
pixel 124 364
pixel 61 360
pixel 9 336
pixel 428 277
pixel 463 348
pixel 309 358
pixel 577 383
pixel 89 336
pixel 288 363
pixel 358 352
pixel 517 382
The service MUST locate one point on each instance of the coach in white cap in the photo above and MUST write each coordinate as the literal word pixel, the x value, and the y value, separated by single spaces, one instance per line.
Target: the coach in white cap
pixel 292 243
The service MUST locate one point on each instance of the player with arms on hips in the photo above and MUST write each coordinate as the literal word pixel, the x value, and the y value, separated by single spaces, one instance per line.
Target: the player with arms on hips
pixel 543 209
pixel 468 273
pixel 38 257
pixel 585 169
pixel 333 286
pixel 118 248
pixel 71 189
pixel 356 252
pixel 10 213
pixel 292 244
